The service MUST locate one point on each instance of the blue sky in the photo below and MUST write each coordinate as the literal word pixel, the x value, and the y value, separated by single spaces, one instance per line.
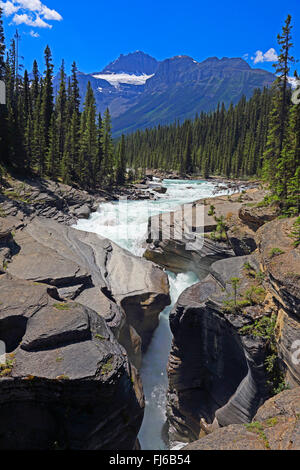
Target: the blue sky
pixel 94 32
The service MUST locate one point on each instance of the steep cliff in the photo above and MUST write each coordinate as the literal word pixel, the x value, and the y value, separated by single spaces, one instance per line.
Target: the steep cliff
pixel 235 332
pixel 280 260
pixel 216 370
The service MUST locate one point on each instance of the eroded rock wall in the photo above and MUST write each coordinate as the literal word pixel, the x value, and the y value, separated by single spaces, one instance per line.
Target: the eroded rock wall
pixel 215 373
pixel 66 383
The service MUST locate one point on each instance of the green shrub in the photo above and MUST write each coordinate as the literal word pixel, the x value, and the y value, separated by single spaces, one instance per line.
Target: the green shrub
pixel 265 328
pixel 61 306
pixel 211 211
pixel 220 233
pixel 295 233
pixel 276 252
pixel 107 366
pixel 258 428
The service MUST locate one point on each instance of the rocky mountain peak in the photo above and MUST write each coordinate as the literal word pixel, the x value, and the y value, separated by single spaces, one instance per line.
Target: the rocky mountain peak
pixel 137 63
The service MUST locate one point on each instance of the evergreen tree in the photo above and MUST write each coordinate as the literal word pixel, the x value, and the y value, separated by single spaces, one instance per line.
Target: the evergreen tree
pixel 2 107
pixel 75 94
pixel 275 157
pixel 292 154
pixel 121 165
pixel 107 149
pixel 52 166
pixel 88 152
pixel 47 106
pixel 61 117
pixel 2 48
pixel 35 87
pixel 188 163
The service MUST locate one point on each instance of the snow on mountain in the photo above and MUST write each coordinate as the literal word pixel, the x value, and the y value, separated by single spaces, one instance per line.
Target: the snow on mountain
pixel 115 79
pixel 142 92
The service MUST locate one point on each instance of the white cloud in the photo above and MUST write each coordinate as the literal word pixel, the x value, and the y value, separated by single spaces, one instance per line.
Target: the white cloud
pixel 269 56
pixel 30 12
pixel 8 8
pixel 25 19
pixel 34 34
pixel 40 23
pixel 49 14
pixel 32 5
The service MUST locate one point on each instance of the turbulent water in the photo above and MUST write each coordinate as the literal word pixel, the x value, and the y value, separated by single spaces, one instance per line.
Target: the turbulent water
pixel 126 224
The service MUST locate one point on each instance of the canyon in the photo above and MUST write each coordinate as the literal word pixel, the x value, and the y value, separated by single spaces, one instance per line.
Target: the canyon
pixel 80 311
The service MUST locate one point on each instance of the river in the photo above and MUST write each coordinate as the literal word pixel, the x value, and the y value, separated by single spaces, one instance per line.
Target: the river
pixel 126 224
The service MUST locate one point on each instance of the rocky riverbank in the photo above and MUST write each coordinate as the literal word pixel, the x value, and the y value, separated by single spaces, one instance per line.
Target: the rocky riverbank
pixel 77 311
pixel 233 332
pixel 56 201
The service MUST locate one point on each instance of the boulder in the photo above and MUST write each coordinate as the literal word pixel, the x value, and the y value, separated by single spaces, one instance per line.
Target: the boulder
pixel 140 288
pixel 159 189
pixel 256 216
pixel 7 227
pixel 66 379
pixel 64 257
pixel 240 237
pixel 174 255
pixel 82 212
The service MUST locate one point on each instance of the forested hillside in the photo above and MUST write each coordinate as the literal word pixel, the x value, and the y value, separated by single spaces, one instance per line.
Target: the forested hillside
pixel 182 87
pixel 259 138
pixel 226 142
pixel 49 136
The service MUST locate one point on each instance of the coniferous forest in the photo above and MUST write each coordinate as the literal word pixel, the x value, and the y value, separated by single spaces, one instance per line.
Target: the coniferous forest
pixel 226 142
pixel 52 136
pixel 149 282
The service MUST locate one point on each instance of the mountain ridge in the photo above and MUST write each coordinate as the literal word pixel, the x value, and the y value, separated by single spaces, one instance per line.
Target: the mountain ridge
pixel 141 91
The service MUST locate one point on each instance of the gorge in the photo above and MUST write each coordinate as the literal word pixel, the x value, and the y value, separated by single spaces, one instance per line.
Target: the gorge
pixel 126 223
pixel 83 319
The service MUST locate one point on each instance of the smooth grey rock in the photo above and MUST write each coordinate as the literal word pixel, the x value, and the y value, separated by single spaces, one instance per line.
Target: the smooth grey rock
pixel 82 212
pixel 68 382
pixel 65 257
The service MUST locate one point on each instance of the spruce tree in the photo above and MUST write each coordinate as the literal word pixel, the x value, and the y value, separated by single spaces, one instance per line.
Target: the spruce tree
pixel 88 149
pixel 188 163
pixel 52 165
pixel 61 116
pixel 2 106
pixel 2 48
pixel 275 170
pixel 35 86
pixel 47 105
pixel 121 164
pixel 107 149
